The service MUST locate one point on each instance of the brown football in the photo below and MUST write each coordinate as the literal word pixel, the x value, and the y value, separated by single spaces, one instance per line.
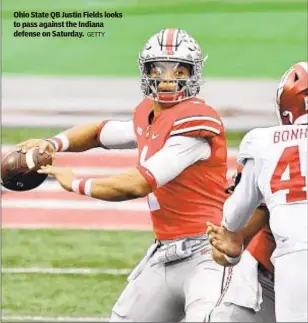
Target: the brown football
pixel 19 171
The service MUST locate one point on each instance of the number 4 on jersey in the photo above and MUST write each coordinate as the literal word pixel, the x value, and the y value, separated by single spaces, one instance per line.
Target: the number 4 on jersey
pixel 296 182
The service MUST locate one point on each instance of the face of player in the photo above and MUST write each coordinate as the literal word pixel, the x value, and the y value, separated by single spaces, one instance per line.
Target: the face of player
pixel 169 75
pixel 168 82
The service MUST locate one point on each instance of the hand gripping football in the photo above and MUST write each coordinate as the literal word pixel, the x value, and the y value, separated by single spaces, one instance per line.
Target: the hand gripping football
pixel 19 171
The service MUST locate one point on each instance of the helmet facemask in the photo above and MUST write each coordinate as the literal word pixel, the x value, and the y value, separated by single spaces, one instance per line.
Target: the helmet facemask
pixel 170 81
pixel 175 48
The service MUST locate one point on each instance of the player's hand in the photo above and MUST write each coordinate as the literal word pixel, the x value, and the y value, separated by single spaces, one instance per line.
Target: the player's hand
pixel 43 145
pixel 227 242
pixel 64 176
pixel 219 257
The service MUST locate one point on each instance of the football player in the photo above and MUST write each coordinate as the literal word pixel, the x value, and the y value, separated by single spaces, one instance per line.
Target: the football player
pixel 275 168
pixel 182 171
pixel 255 262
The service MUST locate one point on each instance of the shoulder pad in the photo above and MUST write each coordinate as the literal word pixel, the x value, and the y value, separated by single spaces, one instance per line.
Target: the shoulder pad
pixel 250 145
pixel 196 119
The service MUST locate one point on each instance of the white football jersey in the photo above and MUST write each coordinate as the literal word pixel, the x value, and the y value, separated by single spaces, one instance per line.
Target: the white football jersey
pixel 280 158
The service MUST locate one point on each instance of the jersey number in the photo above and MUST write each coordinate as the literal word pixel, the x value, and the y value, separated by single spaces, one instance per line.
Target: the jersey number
pixel 296 182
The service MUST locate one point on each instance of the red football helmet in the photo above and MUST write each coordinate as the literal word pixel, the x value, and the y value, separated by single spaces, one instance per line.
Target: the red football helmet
pixel 292 95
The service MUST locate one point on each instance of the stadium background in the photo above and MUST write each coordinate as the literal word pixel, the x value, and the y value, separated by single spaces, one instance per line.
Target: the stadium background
pixel 55 266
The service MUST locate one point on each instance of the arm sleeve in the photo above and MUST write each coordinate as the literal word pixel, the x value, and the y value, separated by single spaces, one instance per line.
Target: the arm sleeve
pixel 239 207
pixel 117 135
pixel 249 146
pixel 177 154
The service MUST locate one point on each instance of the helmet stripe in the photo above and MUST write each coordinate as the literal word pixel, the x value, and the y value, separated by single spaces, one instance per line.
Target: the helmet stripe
pixel 171 35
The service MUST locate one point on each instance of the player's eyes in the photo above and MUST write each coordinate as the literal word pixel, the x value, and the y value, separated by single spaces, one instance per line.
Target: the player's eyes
pixel 159 72
pixel 156 72
pixel 179 74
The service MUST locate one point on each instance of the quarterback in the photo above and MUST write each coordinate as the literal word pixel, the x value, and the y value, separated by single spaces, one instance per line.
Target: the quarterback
pixel 182 171
pixel 275 169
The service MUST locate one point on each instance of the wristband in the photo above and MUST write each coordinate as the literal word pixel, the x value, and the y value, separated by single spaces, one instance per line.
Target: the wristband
pixel 234 260
pixel 60 142
pixel 81 186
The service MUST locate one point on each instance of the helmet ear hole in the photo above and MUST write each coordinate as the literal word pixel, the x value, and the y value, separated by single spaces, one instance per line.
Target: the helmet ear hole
pixel 288 115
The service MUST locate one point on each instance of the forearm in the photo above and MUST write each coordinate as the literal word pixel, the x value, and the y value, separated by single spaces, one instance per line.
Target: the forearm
pixel 236 213
pixel 122 187
pixel 77 139
pixel 114 189
pixel 246 197
pixel 258 220
pixel 111 134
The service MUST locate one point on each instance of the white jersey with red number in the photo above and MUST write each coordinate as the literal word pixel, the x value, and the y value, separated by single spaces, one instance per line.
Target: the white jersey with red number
pixel 280 167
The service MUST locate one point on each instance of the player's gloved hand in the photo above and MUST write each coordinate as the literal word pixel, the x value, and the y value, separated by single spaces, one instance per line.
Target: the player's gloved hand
pixel 44 145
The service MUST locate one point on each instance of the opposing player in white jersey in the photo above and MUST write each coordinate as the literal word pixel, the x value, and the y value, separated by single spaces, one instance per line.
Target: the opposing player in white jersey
pixel 275 168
